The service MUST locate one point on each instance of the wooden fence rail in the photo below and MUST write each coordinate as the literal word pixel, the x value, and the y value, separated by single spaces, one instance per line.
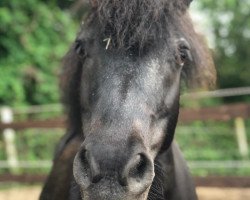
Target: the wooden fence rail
pixel 49 123
pixel 219 113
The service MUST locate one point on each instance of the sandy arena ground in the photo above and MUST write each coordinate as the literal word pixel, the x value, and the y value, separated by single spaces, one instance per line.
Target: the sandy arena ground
pixel 32 193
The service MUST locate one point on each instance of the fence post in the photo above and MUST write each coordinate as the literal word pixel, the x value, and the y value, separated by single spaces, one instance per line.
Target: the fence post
pixel 241 136
pixel 9 139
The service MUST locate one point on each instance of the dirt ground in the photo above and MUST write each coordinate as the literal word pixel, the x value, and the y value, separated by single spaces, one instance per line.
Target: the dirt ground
pixel 32 193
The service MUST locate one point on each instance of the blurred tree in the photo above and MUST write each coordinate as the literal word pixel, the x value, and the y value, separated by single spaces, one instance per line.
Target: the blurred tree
pixel 231 27
pixel 34 36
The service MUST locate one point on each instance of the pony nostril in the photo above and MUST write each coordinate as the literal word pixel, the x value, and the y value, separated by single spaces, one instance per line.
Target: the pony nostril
pixel 83 156
pixel 83 160
pixel 91 166
pixel 81 169
pixel 97 178
pixel 95 171
pixel 138 172
pixel 140 167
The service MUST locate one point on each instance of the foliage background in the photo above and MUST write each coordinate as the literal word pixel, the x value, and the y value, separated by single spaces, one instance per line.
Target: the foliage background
pixel 34 36
pixel 230 25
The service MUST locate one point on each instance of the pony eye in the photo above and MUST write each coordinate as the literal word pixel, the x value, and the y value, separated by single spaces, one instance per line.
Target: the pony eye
pixel 79 47
pixel 183 52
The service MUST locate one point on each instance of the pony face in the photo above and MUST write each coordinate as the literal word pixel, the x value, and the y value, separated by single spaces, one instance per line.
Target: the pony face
pixel 129 110
pixel 121 85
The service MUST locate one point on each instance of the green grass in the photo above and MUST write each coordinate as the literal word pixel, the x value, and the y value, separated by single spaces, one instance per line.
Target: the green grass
pixel 215 141
pixel 33 145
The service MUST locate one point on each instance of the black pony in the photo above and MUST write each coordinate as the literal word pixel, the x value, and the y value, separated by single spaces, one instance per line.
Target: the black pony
pixel 120 84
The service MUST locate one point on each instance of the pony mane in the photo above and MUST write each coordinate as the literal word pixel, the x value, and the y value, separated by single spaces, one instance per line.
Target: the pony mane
pixel 136 23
